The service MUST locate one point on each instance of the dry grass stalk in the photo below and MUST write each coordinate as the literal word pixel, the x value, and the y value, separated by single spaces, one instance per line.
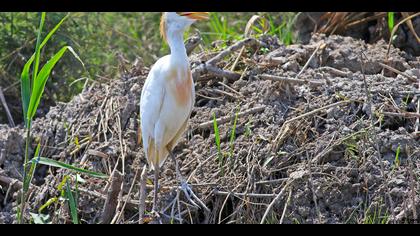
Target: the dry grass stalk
pixel 6 109
pixel 418 112
pixel 112 198
pixel 321 45
pixel 143 194
pixel 411 78
pixel 311 83
pixel 128 194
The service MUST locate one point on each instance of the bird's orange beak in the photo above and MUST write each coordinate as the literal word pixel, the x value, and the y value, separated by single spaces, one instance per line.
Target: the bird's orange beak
pixel 196 15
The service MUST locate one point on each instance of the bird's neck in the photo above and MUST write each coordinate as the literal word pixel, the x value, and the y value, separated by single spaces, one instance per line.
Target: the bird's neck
pixel 176 44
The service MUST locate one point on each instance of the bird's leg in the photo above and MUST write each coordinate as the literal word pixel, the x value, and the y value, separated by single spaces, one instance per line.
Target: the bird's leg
pixel 185 187
pixel 156 189
pixel 176 202
pixel 178 172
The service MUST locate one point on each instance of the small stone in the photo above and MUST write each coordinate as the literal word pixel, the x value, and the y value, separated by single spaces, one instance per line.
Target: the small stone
pixel 135 89
pixel 397 192
pixel 2 156
pixel 291 65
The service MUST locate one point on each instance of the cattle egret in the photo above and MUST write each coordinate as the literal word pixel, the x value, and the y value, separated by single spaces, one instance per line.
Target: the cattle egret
pixel 168 96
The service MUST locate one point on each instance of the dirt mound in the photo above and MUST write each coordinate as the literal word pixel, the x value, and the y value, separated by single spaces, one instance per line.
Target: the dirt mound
pixel 368 26
pixel 316 139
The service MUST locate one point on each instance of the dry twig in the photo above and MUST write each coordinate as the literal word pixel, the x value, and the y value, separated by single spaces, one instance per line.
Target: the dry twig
pixel 143 194
pixel 225 119
pixel 285 206
pixel 277 198
pixel 311 83
pixel 418 112
pixel 412 79
pixel 238 45
pixel 321 45
pixel 6 109
pixel 209 67
pixel 111 201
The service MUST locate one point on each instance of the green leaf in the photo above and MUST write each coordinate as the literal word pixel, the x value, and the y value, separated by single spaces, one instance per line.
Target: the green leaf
pixel 390 21
pixel 25 78
pixel 47 204
pixel 397 156
pixel 37 48
pixel 72 204
pixel 54 163
pixel 41 80
pixel 62 183
pixel 216 133
pixel 53 31
pixel 29 176
pixel 76 141
pixel 26 88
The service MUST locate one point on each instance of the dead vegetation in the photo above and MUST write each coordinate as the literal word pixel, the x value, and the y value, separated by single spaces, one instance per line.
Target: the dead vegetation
pixel 326 132
pixel 399 28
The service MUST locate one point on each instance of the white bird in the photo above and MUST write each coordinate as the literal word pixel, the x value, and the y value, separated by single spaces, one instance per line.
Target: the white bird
pixel 168 96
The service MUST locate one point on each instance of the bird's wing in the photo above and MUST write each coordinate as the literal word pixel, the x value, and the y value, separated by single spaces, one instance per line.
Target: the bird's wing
pixel 152 95
pixel 177 136
pixel 151 103
pixel 161 121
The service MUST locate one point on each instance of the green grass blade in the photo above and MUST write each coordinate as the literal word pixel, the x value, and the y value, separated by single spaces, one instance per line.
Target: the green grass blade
pixel 28 178
pixel 60 186
pixel 53 31
pixel 30 101
pixel 37 48
pixel 72 204
pixel 47 204
pixel 390 21
pixel 41 80
pixel 26 88
pixel 54 163
pixel 397 157
pixel 25 77
pixel 396 163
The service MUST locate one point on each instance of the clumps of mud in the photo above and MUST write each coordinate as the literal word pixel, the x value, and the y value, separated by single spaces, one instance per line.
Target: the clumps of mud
pixel 370 31
pixel 340 147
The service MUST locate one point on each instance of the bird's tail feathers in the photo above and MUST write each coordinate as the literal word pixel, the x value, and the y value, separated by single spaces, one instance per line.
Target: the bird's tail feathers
pixel 155 157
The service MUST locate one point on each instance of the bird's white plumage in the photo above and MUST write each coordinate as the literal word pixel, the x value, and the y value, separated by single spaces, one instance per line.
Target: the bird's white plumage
pixel 168 94
pixel 167 97
pixel 163 118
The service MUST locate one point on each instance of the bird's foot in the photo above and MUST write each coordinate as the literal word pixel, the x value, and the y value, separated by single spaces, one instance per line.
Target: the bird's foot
pixel 155 217
pixel 192 198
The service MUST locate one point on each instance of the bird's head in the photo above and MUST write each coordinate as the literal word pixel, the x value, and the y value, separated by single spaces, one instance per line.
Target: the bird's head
pixel 172 22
